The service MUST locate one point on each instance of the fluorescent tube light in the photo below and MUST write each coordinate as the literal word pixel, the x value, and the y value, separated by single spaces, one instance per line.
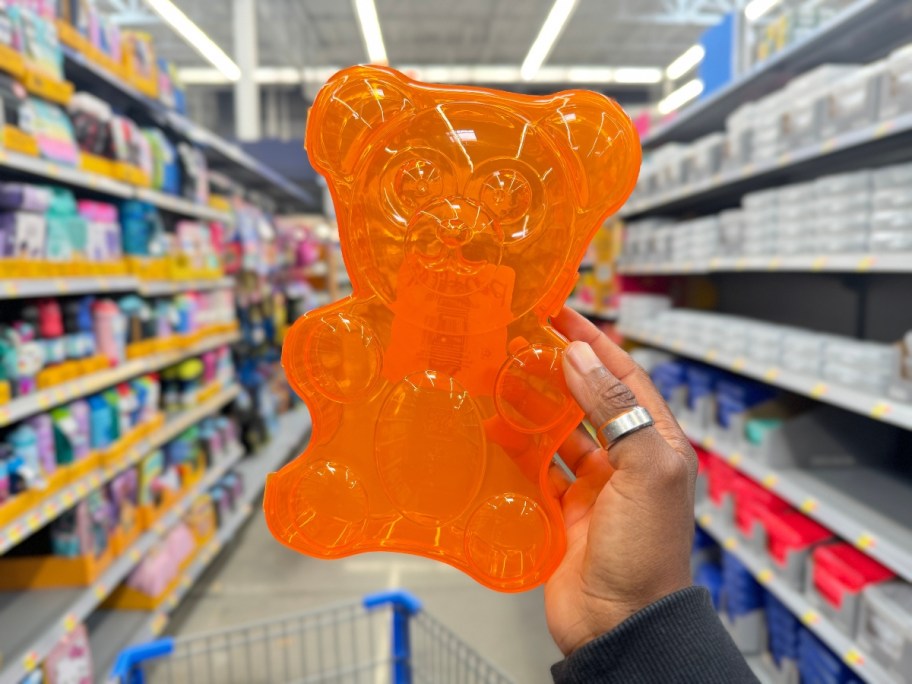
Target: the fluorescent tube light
pixel 757 8
pixel 687 61
pixel 681 96
pixel 547 37
pixel 370 30
pixel 196 38
pixel 637 75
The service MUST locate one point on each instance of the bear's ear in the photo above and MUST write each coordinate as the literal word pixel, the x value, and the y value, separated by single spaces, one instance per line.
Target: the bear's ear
pixel 602 147
pixel 349 108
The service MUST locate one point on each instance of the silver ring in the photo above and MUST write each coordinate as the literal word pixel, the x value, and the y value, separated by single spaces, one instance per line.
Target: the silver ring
pixel 627 423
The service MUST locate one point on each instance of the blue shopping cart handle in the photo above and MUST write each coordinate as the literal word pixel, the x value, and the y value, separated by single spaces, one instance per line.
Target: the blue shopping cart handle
pixel 131 656
pixel 398 598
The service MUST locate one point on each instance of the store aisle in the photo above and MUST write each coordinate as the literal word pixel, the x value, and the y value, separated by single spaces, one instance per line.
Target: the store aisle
pixel 258 578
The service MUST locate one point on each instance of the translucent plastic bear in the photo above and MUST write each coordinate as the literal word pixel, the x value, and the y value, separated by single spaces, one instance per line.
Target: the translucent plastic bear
pixel 436 389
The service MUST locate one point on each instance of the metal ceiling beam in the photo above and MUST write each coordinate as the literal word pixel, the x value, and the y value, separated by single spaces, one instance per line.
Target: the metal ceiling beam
pixel 680 12
pixel 132 13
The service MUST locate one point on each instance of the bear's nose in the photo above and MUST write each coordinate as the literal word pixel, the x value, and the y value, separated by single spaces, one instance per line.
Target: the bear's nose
pixel 458 220
pixel 453 232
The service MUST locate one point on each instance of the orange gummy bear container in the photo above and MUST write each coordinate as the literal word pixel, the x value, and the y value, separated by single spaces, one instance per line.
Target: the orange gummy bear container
pixel 436 389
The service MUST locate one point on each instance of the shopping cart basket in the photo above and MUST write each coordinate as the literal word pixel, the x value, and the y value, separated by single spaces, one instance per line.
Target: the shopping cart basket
pixel 384 638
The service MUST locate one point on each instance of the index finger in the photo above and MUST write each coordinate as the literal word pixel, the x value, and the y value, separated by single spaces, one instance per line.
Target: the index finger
pixel 576 327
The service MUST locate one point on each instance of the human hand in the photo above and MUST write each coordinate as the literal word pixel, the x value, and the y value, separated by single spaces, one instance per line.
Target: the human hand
pixel 630 513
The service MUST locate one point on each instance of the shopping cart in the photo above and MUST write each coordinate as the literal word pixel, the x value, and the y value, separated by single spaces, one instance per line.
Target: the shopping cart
pixel 384 638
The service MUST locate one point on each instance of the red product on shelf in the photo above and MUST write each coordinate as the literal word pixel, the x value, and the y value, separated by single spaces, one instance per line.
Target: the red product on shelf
pixel 840 570
pixel 752 501
pixel 721 478
pixel 703 459
pixel 790 531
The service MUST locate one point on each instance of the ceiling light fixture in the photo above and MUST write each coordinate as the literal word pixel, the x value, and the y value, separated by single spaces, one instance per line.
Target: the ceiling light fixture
pixel 196 38
pixel 550 31
pixel 370 31
pixel 634 75
pixel 487 74
pixel 680 97
pixel 687 61
pixel 757 8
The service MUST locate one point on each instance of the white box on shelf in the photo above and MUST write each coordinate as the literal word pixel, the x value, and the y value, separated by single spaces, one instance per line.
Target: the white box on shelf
pixel 896 84
pixel 885 626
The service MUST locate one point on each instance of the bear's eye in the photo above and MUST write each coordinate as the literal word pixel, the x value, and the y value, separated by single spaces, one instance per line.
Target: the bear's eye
pixel 507 194
pixel 417 181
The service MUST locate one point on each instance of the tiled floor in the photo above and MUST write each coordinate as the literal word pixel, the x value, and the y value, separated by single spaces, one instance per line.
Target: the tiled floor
pixel 258 578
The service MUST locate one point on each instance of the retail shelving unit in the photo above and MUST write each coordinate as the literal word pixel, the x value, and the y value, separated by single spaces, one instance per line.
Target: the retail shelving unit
pixel 221 154
pixel 839 642
pixel 869 507
pixel 879 408
pixel 43 617
pixel 49 507
pixel 824 263
pixel 21 288
pixel 35 621
pixel 113 630
pixel 23 407
pixel 591 311
pixel 866 146
pixel 846 499
pixel 865 30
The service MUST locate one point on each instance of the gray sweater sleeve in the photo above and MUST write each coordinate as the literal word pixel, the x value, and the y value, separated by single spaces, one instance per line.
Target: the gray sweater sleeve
pixel 676 640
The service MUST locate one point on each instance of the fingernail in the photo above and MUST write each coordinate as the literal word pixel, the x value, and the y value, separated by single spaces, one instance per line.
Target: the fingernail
pixel 582 358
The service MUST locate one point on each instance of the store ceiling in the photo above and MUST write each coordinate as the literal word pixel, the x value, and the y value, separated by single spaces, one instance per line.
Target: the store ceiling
pixel 318 33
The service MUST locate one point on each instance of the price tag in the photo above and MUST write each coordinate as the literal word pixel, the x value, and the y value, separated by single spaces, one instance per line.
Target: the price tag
pixel 884 128
pixel 49 510
pixel 738 364
pixel 774 264
pixel 853 657
pixel 134 555
pixel 30 661
pixel 61 285
pixel 818 390
pixel 15 533
pixel 828 145
pixel 864 542
pixel 865 263
pixel 33 522
pixel 819 263
pixel 59 396
pixel 68 498
pixel 4 416
pixel 730 544
pixel 765 576
pixel 708 442
pixel 705 520
pixel 158 624
pixel 810 617
pixel 770 480
pixel 711 356
pixel 734 460
pixel 771 374
pixel 10 289
pixel 81 489
pixel 808 505
pixel 880 409
pixel 44 401
pixel 100 591
pixel 785 159
pixel 69 622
